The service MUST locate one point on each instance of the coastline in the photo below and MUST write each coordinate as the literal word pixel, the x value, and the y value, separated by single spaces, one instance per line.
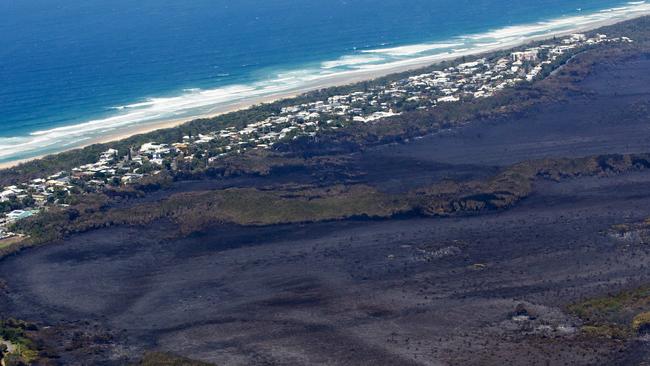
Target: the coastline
pixel 327 81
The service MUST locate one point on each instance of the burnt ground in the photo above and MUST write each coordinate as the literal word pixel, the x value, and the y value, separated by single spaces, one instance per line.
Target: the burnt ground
pixel 394 292
pixel 391 293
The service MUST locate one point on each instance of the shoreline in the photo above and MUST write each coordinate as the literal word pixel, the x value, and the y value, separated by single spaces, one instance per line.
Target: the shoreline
pixel 340 79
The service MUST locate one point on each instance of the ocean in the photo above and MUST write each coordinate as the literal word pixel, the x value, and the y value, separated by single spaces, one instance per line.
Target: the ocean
pixel 72 71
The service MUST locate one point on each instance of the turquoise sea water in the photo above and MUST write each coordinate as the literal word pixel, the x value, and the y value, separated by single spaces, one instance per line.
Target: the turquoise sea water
pixel 73 70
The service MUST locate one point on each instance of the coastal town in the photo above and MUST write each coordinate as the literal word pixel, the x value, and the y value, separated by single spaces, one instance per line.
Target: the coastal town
pixel 479 78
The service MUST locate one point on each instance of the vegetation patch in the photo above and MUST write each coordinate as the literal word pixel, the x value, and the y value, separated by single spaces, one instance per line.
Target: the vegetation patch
pixel 244 206
pixel 16 346
pixel 619 316
pixel 641 323
pixel 165 359
pixel 194 211
pixel 290 204
pixel 9 242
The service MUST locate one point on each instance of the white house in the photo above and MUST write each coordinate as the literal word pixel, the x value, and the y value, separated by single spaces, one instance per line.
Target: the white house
pixel 6 195
pixel 153 148
pixel 529 55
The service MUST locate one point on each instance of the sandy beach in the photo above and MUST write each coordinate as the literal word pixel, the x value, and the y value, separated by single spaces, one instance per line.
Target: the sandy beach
pixel 339 79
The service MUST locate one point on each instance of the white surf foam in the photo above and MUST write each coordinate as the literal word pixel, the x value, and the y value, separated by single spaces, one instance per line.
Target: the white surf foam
pixel 413 49
pixel 351 61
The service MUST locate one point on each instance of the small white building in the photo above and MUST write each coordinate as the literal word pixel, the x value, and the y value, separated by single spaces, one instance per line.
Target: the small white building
pixel 523 56
pixel 153 148
pixel 6 195
pixel 108 154
pixel 448 99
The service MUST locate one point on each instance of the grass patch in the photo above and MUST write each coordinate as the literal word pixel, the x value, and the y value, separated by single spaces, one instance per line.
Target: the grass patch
pixel 619 316
pixel 606 331
pixel 6 243
pixel 641 321
pixel 165 359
